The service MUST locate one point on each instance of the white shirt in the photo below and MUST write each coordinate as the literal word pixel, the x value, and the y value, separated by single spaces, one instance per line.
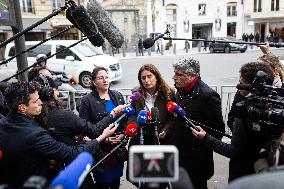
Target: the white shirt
pixel 149 101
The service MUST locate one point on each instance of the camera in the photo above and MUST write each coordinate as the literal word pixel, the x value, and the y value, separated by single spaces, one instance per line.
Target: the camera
pixel 265 103
pixel 153 163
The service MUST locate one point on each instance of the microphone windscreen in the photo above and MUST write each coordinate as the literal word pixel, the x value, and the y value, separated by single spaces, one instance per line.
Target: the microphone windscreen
pixel 104 23
pixel 129 111
pixel 135 96
pixel 74 174
pixel 97 40
pixel 244 87
pixel 155 113
pixel 179 111
pixel 142 117
pixel 170 106
pixel 71 19
pixel 84 21
pixel 147 43
pixel 131 130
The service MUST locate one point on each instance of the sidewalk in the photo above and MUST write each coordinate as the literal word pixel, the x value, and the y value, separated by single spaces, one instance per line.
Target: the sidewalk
pixel 194 50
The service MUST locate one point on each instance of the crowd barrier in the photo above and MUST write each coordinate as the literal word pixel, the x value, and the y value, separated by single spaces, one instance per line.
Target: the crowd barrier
pixel 226 92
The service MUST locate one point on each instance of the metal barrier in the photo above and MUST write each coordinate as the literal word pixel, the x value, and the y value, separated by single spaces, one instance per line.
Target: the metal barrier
pixel 227 93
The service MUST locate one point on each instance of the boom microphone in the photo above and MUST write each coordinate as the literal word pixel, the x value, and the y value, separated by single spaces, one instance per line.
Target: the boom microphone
pixel 149 42
pixel 75 173
pixel 130 132
pixel 128 111
pixel 81 19
pixel 104 23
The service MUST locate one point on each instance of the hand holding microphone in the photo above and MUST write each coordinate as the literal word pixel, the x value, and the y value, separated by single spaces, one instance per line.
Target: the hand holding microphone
pixel 107 132
pixel 198 134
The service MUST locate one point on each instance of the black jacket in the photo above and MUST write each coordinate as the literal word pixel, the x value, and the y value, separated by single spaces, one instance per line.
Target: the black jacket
pixel 203 105
pixel 27 149
pixel 243 151
pixel 64 125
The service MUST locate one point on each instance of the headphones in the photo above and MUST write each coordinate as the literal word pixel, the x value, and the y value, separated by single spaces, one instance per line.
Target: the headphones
pixel 46 92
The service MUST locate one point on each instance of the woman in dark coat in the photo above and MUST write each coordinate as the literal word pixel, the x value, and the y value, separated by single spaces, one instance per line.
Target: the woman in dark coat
pixel 94 107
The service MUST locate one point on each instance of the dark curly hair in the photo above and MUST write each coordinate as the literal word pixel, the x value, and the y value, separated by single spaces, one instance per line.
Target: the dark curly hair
pixel 19 93
pixel 161 85
pixel 249 70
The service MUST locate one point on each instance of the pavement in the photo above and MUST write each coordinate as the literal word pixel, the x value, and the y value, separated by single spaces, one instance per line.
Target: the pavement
pixel 148 54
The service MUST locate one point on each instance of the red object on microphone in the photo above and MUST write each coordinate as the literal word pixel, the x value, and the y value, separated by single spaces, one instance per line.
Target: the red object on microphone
pixel 170 106
pixel 1 154
pixel 149 117
pixel 131 130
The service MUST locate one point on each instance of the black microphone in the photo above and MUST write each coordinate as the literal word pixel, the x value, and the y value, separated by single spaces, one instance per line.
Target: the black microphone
pixel 149 42
pixel 81 19
pixel 246 87
pixel 155 122
pixel 142 120
pixel 104 23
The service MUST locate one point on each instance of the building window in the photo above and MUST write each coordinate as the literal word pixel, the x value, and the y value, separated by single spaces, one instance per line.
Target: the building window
pixel 26 6
pixel 257 6
pixel 274 5
pixel 232 9
pixel 56 4
pixel 202 9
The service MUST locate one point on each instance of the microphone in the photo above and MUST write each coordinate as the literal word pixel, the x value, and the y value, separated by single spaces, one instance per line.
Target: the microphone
pixel 142 120
pixel 104 23
pixel 128 111
pixel 174 108
pixel 134 97
pixel 81 19
pixel 74 174
pixel 130 132
pixel 155 122
pixel 246 87
pixel 149 42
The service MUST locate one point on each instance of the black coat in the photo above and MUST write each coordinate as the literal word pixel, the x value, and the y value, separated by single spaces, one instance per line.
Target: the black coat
pixel 201 104
pixel 64 125
pixel 27 149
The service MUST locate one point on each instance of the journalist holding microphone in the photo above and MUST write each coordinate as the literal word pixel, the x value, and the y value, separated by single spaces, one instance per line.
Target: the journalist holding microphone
pixel 94 107
pixel 26 146
pixel 202 104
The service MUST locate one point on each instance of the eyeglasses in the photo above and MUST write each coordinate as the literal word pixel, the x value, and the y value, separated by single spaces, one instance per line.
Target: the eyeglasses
pixel 103 78
pixel 180 75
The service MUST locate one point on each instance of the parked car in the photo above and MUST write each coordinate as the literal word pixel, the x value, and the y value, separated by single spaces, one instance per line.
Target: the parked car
pixel 79 60
pixel 227 47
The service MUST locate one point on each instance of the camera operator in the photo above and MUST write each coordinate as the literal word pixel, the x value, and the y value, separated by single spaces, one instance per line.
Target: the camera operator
pixel 247 142
pixel 26 146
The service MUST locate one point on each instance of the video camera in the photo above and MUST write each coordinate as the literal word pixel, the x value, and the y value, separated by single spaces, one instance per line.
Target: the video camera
pixel 264 109
pixel 265 103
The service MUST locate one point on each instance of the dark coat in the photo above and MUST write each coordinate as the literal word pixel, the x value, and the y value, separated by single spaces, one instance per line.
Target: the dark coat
pixel 93 109
pixel 27 149
pixel 203 105
pixel 243 151
pixel 65 131
pixel 164 116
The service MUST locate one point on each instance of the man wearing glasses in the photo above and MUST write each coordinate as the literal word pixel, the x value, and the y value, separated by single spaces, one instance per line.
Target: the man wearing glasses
pixel 201 104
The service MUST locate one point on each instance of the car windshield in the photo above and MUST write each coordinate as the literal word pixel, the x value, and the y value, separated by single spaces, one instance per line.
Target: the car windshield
pixel 87 50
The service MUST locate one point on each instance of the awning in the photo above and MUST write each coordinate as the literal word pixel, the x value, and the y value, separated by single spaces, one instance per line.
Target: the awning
pixel 278 25
pixel 29 21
